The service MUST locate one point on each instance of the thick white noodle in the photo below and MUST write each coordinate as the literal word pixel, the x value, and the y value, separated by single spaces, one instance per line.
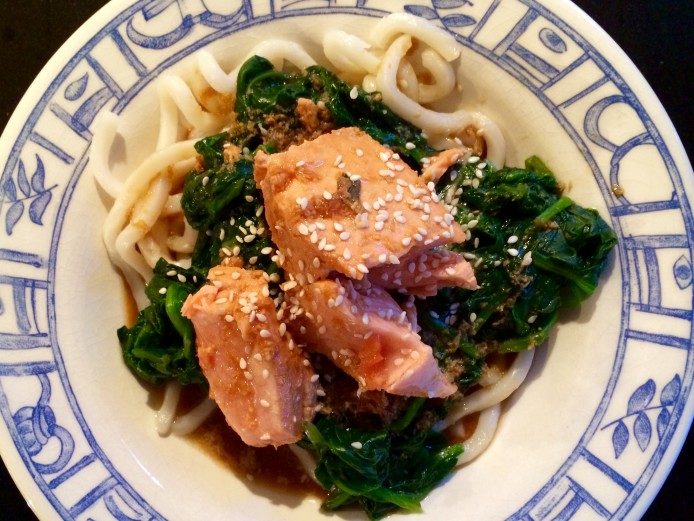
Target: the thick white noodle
pixel 306 459
pixel 105 131
pixel 490 396
pixel 443 75
pixel 430 121
pixel 166 414
pixel 349 53
pixel 180 94
pixel 482 437
pixel 402 23
pixel 214 74
pixel 188 422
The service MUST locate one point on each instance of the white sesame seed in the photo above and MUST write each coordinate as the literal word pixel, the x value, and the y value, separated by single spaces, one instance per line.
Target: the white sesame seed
pixel 406 241
pixel 347 254
pixel 265 333
pixel 362 267
pixel 344 236
pixel 354 92
pixel 409 145
pixel 513 252
pixel 359 152
pixel 264 403
pixel 181 277
pixel 356 444
pixel 512 239
pixel 532 319
pixel 162 291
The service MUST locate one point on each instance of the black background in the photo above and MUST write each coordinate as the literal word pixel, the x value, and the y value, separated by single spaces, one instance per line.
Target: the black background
pixel 656 34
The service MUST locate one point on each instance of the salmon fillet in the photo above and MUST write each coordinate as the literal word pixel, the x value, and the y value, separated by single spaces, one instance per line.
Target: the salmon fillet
pixel 261 381
pixel 364 331
pixel 424 274
pixel 345 203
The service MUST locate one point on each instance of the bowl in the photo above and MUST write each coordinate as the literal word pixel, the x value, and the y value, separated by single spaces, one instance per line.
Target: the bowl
pixel 592 432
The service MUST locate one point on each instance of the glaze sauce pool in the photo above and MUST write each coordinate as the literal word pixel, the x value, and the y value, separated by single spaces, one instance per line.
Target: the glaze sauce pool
pixel 275 468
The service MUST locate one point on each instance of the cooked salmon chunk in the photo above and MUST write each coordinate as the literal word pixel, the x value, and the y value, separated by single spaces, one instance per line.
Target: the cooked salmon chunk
pixel 364 331
pixel 261 381
pixel 424 274
pixel 345 203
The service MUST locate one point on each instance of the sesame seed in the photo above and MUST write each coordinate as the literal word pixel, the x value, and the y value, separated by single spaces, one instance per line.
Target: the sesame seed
pixel 242 363
pixel 327 195
pixel 356 444
pixel 399 361
pixel 249 198
pixel 532 319
pixel 344 236
pixel 513 252
pixel 406 241
pixel 265 333
pixel 527 259
pixel 181 277
pixel 512 239
pixel 365 319
pixel 162 291
pixel 354 92
pixel 379 226
pixel 248 375
pixel 409 146
pixel 359 152
pixel 473 317
pixel 264 403
pixel 347 254
pixel 303 229
pixel 382 258
pixel 362 267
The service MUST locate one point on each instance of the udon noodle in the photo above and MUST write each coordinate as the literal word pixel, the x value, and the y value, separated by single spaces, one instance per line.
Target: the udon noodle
pixel 412 63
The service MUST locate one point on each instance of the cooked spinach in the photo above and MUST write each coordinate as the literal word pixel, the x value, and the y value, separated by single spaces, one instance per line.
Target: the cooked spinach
pixel 160 346
pixel 534 252
pixel 380 471
pixel 263 90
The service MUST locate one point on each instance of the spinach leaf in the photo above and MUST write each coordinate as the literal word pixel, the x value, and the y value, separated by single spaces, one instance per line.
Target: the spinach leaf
pixel 263 90
pixel 160 346
pixel 533 250
pixel 379 470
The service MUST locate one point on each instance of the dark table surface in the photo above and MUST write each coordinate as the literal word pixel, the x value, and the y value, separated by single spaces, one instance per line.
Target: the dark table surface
pixel 656 34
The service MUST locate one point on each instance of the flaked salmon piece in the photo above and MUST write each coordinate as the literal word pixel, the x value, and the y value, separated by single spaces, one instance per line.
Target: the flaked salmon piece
pixel 436 166
pixel 344 203
pixel 368 335
pixel 261 381
pixel 424 274
pixel 307 111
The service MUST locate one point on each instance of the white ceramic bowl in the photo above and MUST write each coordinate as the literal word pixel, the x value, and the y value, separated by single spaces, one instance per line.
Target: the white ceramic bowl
pixel 591 434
